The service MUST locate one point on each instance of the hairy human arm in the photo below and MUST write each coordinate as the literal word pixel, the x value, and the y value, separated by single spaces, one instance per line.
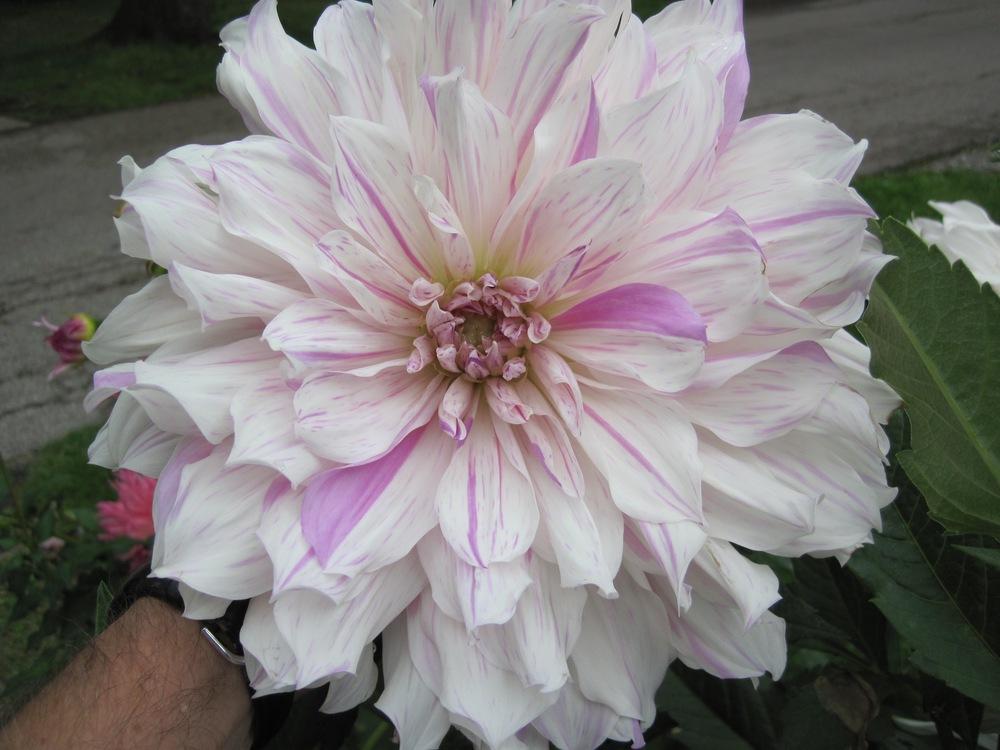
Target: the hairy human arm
pixel 150 680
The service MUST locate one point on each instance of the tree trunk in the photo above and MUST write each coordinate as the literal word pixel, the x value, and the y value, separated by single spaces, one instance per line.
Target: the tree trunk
pixel 186 21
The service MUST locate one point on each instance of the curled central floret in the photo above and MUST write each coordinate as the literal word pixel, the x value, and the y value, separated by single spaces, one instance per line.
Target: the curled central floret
pixel 481 329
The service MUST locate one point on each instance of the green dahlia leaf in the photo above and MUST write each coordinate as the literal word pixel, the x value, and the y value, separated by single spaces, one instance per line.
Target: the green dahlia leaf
pixel 942 601
pixel 935 337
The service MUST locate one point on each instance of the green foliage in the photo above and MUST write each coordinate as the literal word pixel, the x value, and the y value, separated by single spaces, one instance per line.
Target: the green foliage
pixel 905 194
pixel 935 338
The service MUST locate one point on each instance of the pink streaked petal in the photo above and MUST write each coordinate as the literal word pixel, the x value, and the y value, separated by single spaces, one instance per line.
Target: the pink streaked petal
pixel 477 145
pixel 295 90
pixel 574 721
pixel 320 335
pixel 376 286
pixel 206 522
pixel 714 261
pixel 556 380
pixel 354 420
pixel 681 125
pixel 567 134
pixel 361 518
pixel 719 571
pixel 449 663
pixel 130 440
pixel 585 537
pixel 593 204
pixel 420 720
pixel 373 195
pixel 629 71
pixel 329 638
pixel 545 438
pixel 264 435
pixel 769 399
pixel 203 383
pixel 672 547
pixel 458 408
pixel 506 401
pixel 228 296
pixel 647 453
pixel 486 504
pixel 140 324
pixel 535 63
pixel 469 594
pixel 108 382
pixel 623 651
pixel 641 331
pixel 458 257
pixel 469 34
pixel 536 642
pixel 345 37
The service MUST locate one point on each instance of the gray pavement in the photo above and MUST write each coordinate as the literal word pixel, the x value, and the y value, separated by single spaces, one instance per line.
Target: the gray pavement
pixel 919 78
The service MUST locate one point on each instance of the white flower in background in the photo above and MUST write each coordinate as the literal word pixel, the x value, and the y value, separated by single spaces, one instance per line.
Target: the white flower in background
pixel 501 338
pixel 965 233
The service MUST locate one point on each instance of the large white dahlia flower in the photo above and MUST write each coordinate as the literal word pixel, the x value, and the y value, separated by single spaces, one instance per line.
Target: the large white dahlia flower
pixel 502 338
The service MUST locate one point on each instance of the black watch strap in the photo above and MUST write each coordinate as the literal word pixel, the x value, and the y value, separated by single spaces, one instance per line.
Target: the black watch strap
pixel 268 712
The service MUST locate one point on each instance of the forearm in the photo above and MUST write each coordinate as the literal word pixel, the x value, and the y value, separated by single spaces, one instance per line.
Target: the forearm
pixel 150 680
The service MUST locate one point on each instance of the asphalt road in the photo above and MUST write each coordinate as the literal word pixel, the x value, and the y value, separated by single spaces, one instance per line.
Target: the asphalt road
pixel 919 78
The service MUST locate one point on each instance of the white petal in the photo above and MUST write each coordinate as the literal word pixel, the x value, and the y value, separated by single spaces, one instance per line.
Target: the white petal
pixel 216 296
pixel 536 642
pixel 468 34
pixel 346 37
pixel 752 587
pixel 130 440
pixel 347 691
pixel 672 547
pixel 353 419
pixel 575 722
pixel 270 661
pixel 853 358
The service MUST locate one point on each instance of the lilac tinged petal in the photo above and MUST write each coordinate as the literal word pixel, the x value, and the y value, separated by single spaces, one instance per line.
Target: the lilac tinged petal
pixel 203 383
pixel 573 721
pixel 585 537
pixel 230 78
pixel 769 399
pixel 593 204
pixel 347 39
pixel 641 331
pixel 672 547
pixel 207 538
pixel 535 62
pixel 420 720
pixel 455 247
pixel 475 596
pixel 623 651
pixel 477 146
pixel 130 440
pixel 647 453
pixel 140 323
pixel 469 34
pixel 449 664
pixel 328 638
pixel 458 408
pixel 347 691
pixel 536 642
pixel 486 505
pixel 853 358
pixel 545 438
pixel 752 587
pixel 361 518
pixel 370 197
pixel 264 435
pixel 630 69
pixel 557 382
pixel 353 420
pixel 216 296
pixel 681 124
pixel 295 89
pixel 316 334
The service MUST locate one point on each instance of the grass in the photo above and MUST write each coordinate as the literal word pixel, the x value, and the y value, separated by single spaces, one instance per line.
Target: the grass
pixel 46 76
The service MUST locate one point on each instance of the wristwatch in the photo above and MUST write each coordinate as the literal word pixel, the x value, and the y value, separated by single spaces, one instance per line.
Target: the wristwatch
pixel 268 712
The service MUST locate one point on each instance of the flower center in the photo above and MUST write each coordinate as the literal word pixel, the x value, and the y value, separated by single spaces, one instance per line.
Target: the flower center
pixel 481 330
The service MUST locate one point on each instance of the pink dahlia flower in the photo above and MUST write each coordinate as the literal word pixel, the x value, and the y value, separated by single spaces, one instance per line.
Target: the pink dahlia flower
pixel 501 338
pixel 66 340
pixel 130 516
